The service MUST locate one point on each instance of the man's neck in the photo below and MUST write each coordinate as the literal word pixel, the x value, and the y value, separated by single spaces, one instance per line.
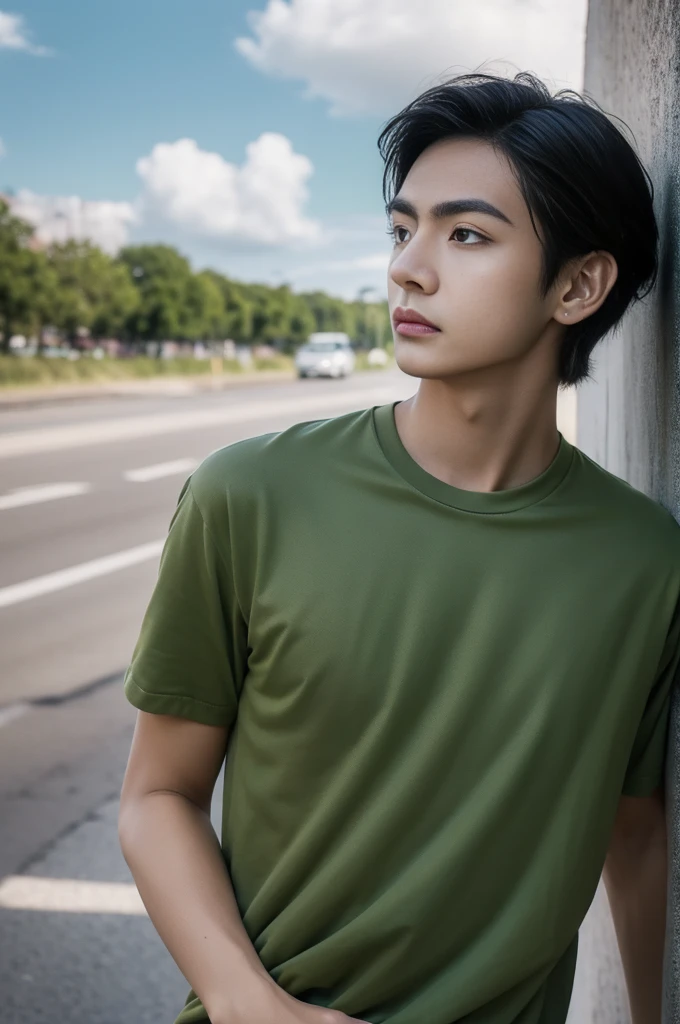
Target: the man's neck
pixel 484 438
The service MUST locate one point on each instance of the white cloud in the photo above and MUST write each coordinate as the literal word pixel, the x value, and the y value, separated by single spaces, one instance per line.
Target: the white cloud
pixel 13 35
pixel 57 218
pixel 259 201
pixel 196 192
pixel 343 277
pixel 375 261
pixel 378 261
pixel 3 149
pixel 374 57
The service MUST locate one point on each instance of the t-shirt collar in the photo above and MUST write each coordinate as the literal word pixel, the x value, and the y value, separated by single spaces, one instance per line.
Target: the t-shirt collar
pixel 509 500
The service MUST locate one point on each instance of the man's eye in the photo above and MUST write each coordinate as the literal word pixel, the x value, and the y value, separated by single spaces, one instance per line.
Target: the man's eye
pixel 393 231
pixel 467 232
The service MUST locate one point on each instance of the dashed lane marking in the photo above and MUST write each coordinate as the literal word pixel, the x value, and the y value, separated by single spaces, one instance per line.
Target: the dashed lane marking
pixel 70 896
pixel 39 585
pixel 146 473
pixel 42 492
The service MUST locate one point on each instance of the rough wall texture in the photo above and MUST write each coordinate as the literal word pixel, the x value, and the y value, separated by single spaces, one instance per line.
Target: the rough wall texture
pixel 629 416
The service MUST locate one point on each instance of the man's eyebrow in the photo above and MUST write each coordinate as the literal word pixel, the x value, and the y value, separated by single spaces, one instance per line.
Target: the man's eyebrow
pixel 449 208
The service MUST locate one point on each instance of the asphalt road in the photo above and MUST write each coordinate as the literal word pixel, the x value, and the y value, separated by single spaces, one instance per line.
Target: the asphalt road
pixel 87 489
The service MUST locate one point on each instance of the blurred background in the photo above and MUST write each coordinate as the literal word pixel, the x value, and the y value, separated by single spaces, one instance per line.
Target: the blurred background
pixel 193 250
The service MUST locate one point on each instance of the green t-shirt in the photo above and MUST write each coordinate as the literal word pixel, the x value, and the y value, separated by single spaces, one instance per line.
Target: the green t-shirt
pixel 435 698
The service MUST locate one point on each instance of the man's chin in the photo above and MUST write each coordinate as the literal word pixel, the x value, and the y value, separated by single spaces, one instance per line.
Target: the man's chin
pixel 417 364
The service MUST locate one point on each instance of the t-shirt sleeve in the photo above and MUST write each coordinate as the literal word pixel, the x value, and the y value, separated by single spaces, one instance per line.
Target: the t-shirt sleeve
pixel 191 654
pixel 646 766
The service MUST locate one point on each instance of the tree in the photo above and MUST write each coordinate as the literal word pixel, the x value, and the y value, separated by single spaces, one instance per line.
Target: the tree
pixel 44 287
pixel 162 277
pixel 330 314
pixel 372 323
pixel 205 315
pixel 265 311
pixel 239 315
pixel 19 266
pixel 94 291
pixel 150 293
pixel 116 302
pixel 278 308
pixel 238 309
pixel 302 322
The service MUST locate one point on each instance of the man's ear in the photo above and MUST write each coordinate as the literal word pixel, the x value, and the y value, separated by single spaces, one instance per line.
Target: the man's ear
pixel 588 282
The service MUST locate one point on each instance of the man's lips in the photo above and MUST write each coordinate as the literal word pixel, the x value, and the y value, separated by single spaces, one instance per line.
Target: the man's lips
pixel 415 330
pixel 407 321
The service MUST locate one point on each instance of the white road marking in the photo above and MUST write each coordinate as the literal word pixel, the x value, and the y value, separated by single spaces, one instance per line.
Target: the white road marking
pixel 70 896
pixel 12 712
pixel 40 585
pixel 44 492
pixel 141 476
pixel 78 435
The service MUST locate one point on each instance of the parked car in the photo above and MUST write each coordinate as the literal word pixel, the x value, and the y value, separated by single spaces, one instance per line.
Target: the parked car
pixel 325 354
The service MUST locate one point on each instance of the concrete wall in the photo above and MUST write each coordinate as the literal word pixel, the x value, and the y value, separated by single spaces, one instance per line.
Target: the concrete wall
pixel 628 418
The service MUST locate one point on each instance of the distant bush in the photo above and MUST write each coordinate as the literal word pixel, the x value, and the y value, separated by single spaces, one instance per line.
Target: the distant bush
pixel 17 371
pixel 362 362
pixel 27 370
pixel 273 363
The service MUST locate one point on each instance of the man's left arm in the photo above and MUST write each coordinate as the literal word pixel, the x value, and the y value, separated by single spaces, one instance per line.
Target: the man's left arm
pixel 636 879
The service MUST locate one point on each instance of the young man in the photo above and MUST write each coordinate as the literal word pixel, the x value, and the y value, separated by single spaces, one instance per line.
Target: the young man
pixel 442 726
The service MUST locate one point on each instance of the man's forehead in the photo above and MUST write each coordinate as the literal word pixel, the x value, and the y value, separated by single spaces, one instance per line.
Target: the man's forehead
pixel 462 163
pixel 450 173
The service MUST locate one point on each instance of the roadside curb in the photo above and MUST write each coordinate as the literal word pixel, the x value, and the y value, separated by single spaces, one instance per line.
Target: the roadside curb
pixel 170 385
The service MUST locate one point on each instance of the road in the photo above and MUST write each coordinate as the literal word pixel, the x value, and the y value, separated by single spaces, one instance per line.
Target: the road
pixel 87 489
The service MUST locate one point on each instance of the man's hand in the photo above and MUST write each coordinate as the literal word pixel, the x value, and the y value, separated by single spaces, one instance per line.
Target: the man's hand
pixel 265 1002
pixel 176 861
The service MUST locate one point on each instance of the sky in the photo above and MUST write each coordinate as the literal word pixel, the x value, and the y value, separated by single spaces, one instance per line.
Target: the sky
pixel 242 132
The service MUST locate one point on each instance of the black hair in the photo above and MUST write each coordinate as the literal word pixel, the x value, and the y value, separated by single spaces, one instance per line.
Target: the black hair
pixel 579 176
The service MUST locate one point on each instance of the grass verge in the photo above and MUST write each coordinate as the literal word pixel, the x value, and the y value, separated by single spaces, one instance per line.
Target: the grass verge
pixel 16 371
pixel 31 371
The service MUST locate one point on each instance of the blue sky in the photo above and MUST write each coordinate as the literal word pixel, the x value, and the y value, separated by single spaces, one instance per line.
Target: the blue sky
pixel 121 79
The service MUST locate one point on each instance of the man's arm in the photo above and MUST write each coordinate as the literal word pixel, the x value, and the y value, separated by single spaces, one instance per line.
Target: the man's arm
pixel 175 858
pixel 636 878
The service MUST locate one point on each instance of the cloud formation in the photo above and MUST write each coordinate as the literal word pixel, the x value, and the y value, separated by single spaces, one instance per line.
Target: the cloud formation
pixel 57 218
pixel 13 36
pixel 374 261
pixel 371 58
pixel 259 201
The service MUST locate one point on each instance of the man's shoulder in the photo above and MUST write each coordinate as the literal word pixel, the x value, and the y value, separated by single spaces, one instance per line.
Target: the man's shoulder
pixel 631 513
pixel 252 465
pixel 230 465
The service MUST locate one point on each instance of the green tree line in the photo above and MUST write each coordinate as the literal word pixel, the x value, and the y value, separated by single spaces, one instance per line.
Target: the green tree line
pixel 150 293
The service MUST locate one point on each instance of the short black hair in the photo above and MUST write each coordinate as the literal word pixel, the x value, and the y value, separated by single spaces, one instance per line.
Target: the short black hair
pixel 580 177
